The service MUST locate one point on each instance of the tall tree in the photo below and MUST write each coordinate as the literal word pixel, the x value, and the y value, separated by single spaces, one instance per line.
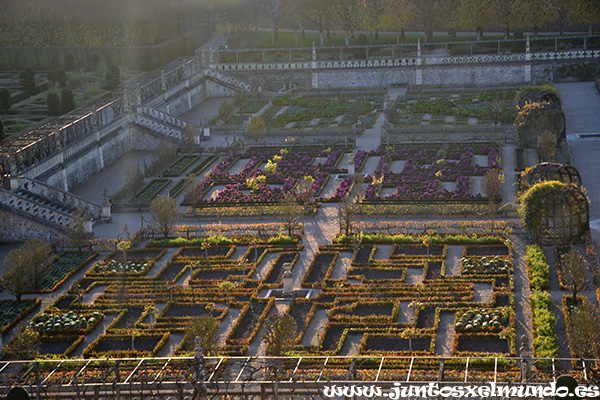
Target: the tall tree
pixel 280 334
pixel 274 10
pixel 371 16
pixel 505 13
pixel 18 274
pixel 536 14
pixel 474 14
pixel 164 214
pixel 348 12
pixel 425 14
pixel 587 12
pixel 584 335
pixel 207 329
pixel 314 14
pixel 397 13
pixel 573 272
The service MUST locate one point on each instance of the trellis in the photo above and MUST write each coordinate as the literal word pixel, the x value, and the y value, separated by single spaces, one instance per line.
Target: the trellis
pixel 549 172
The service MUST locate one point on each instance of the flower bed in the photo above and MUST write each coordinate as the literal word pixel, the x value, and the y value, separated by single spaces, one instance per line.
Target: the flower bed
pixel 319 269
pixel 122 267
pixel 485 320
pixel 146 345
pixel 63 268
pixel 151 190
pixel 179 166
pixel 65 323
pixel 11 312
pixel 484 265
pixel 387 344
pixel 424 171
pixel 477 344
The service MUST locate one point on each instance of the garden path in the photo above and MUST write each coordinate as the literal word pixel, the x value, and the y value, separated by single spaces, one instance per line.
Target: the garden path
pixel 522 293
pixel 315 326
pixel 351 344
pixel 227 324
pixel 482 292
pixel 317 230
pixel 340 269
pixel 453 257
pixel 265 265
pixel 445 334
pixel 259 348
pixel 169 348
pixel 406 315
pixel 509 190
pixel 153 272
pixel 100 330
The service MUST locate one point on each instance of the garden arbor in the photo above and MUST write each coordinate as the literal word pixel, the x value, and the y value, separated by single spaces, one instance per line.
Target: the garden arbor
pixel 555 212
pixel 549 172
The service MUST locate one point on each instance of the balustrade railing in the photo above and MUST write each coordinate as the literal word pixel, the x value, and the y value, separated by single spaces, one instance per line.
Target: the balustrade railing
pixel 35 209
pixel 158 127
pixel 162 116
pixel 57 196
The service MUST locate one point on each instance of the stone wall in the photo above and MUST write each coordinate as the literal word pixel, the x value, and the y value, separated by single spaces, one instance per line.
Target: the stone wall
pixel 16 228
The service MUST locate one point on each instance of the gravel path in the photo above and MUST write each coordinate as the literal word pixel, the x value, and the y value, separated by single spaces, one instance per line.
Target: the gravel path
pixel 316 325
pixel 445 334
pixel 453 257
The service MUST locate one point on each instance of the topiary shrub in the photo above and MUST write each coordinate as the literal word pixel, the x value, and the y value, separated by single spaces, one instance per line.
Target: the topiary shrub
pixel 53 102
pixel 534 118
pixel 5 101
pixel 2 131
pixel 113 77
pixel 62 76
pixel 94 61
pixel 69 61
pixel 67 100
pixel 27 80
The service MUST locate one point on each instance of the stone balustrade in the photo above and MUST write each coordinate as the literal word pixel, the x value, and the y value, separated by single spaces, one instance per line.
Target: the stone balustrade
pixel 57 196
pixel 33 209
pixel 158 127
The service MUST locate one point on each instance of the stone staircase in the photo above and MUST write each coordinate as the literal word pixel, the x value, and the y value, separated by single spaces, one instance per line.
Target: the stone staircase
pixel 228 80
pixel 35 200
pixel 158 128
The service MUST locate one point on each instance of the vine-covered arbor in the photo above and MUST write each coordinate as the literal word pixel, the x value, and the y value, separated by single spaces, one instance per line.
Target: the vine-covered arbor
pixel 555 212
pixel 549 172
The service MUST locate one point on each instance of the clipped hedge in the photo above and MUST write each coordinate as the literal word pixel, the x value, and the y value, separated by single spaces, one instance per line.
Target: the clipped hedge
pixel 545 340
pixel 537 268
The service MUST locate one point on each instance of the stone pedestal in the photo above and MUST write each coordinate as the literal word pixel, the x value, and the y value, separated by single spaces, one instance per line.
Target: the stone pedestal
pixel 288 279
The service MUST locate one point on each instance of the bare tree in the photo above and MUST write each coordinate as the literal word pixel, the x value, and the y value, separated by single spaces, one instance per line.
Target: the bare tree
pixel 573 272
pixel 163 214
pixel 346 214
pixel 77 236
pixel 256 128
pixel 584 335
pixel 290 212
pixel 192 188
pixel 207 329
pixel 18 275
pixel 491 185
pixel 280 334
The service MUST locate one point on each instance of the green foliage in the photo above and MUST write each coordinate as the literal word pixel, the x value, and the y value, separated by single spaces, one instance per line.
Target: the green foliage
pixel 2 131
pixel 113 77
pixel 5 101
pixel 280 334
pixel 163 214
pixel 53 102
pixel 282 239
pixel 257 128
pixel 67 100
pixel 62 76
pixel 533 118
pixel 543 88
pixel 69 62
pixel 537 268
pixel 94 61
pixel 27 79
pixel 545 341
pixel 207 329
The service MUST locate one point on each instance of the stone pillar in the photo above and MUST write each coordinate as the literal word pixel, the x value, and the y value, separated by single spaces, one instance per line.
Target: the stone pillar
pixel 106 216
pixel 288 279
pixel 528 61
pixel 419 77
pixel 314 75
pixel 351 164
pixel 99 151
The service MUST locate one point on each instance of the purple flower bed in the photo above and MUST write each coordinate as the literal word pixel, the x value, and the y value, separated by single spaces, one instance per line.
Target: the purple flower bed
pixel 291 168
pixel 424 170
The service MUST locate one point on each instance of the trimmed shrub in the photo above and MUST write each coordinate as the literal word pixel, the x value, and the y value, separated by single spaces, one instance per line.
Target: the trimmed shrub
pixel 62 76
pixel 537 268
pixel 67 100
pixel 27 78
pixel 5 101
pixel 53 102
pixel 2 131
pixel 113 77
pixel 69 61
